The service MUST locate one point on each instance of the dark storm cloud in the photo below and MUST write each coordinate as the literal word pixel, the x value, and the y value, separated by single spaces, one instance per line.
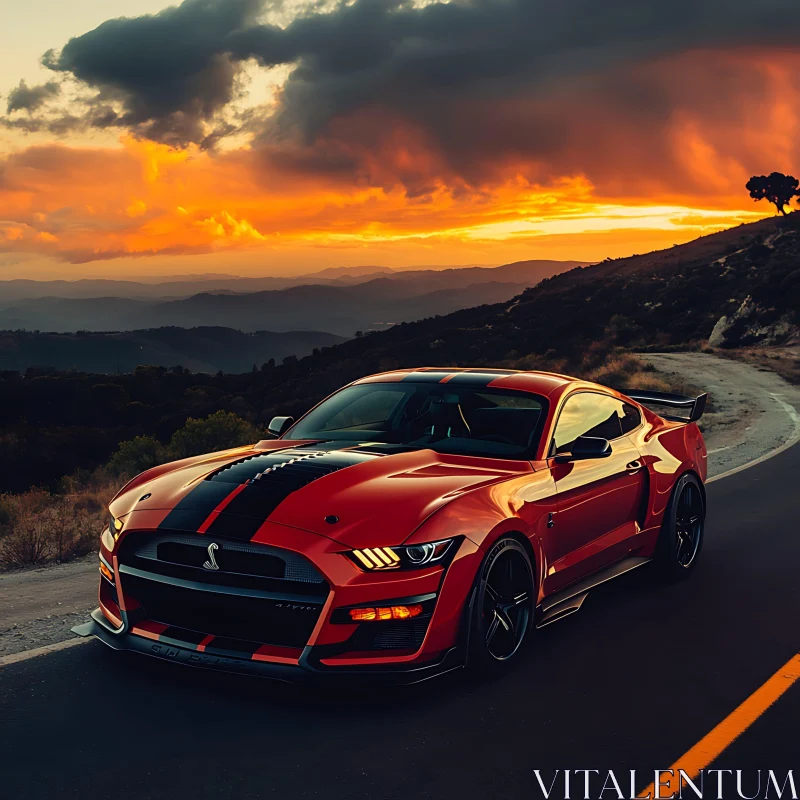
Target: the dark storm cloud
pixel 173 73
pixel 170 72
pixel 31 98
pixel 410 59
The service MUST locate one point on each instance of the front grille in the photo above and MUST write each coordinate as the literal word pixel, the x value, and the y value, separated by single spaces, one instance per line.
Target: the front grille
pixel 259 619
pixel 242 565
pixel 259 593
pixel 235 560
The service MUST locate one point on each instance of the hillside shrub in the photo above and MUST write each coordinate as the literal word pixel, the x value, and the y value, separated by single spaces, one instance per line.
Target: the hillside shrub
pixel 136 455
pixel 219 431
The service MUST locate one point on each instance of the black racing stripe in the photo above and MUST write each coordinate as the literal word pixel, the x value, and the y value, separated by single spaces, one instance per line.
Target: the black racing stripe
pixel 492 371
pixel 244 515
pixel 232 525
pixel 193 510
pixel 425 377
pixel 182 635
pixel 471 379
pixel 239 647
pixel 268 479
pixel 336 459
pixel 246 469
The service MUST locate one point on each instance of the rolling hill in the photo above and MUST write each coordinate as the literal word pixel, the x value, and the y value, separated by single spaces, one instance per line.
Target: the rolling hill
pixel 204 349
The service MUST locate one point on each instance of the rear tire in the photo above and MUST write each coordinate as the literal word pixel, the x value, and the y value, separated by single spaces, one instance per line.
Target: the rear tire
pixel 681 538
pixel 502 610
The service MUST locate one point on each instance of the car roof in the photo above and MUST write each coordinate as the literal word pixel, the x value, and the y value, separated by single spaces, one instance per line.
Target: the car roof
pixel 535 381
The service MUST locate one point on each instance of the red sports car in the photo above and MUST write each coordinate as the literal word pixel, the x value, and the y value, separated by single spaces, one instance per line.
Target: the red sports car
pixel 411 523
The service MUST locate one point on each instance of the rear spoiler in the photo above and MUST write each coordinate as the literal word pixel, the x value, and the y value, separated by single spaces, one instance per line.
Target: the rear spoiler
pixel 695 406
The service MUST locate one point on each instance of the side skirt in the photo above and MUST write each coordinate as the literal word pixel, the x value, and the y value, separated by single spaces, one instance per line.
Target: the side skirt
pixel 561 604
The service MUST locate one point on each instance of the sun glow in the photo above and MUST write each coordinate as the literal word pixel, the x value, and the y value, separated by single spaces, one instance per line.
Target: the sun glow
pixel 145 198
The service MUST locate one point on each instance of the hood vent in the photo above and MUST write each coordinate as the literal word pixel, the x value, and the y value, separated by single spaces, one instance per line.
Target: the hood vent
pixel 288 466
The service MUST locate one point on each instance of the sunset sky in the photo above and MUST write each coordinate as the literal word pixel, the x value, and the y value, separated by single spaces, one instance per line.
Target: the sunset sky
pixel 260 137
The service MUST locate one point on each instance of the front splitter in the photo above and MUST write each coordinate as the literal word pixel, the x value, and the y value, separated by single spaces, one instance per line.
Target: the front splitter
pixel 303 672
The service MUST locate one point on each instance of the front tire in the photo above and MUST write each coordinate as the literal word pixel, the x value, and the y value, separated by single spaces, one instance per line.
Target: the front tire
pixel 502 611
pixel 681 538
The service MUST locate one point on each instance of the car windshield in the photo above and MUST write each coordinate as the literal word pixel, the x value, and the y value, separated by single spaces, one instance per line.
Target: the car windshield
pixel 459 420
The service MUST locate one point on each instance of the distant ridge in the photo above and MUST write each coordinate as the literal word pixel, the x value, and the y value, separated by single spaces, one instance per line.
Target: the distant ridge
pixel 178 286
pixel 742 285
pixel 342 306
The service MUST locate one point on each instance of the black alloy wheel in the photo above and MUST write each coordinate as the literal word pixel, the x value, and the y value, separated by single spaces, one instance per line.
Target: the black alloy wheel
pixel 681 537
pixel 503 606
pixel 688 524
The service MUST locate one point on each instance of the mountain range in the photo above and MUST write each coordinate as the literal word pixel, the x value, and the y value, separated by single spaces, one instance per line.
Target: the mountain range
pixel 337 301
pixel 177 286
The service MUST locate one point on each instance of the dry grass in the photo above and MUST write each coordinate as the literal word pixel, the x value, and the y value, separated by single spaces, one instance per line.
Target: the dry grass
pixel 616 368
pixel 785 361
pixel 39 528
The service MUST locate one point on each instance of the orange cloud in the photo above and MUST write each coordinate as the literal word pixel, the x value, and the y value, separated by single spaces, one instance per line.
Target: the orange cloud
pixel 571 174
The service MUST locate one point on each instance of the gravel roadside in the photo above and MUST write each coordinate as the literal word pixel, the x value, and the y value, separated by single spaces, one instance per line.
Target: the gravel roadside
pixel 755 411
pixel 39 606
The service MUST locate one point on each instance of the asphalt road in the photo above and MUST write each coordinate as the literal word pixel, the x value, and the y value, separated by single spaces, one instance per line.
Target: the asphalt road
pixel 632 681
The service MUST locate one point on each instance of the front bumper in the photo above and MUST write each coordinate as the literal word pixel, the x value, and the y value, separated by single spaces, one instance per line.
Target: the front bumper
pixel 308 668
pixel 138 612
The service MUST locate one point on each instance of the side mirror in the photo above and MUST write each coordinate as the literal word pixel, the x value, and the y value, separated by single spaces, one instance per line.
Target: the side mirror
pixel 586 447
pixel 279 425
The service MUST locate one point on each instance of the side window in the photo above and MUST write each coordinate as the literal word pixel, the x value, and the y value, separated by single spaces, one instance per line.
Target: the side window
pixel 587 414
pixel 631 418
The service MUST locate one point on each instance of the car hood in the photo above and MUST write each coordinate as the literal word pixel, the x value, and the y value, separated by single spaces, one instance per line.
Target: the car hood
pixel 356 494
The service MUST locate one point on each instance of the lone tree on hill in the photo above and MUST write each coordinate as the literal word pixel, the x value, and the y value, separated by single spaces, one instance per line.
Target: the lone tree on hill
pixel 778 188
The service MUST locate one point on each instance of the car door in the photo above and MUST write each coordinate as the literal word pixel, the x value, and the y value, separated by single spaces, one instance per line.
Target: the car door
pixel 599 500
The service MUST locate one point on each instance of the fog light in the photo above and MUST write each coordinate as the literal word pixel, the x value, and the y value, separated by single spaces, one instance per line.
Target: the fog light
pixel 106 572
pixel 379 613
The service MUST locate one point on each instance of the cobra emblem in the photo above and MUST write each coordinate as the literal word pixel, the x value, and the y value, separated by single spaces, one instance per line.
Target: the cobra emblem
pixel 212 562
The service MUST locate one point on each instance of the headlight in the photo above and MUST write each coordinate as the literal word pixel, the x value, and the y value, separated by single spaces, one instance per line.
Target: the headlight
pixel 412 556
pixel 112 532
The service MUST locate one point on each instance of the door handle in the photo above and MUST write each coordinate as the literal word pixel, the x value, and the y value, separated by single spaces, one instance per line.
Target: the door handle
pixel 633 466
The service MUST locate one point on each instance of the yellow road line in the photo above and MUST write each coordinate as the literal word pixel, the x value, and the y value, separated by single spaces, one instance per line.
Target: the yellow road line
pixel 733 726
